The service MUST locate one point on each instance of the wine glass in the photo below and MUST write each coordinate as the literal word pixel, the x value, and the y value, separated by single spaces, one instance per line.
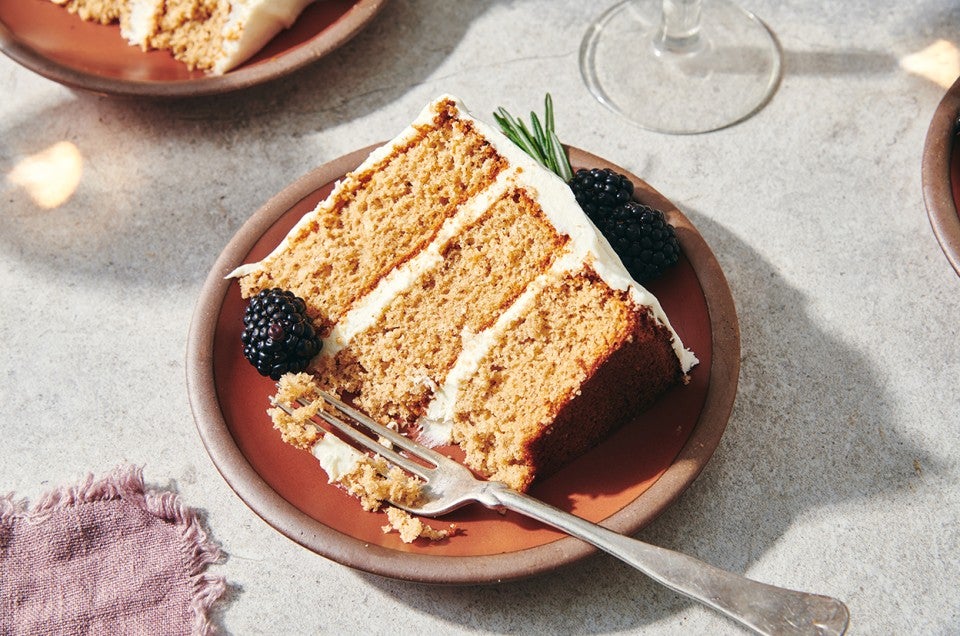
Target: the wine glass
pixel 681 66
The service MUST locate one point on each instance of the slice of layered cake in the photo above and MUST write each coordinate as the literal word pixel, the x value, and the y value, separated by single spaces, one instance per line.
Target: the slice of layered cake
pixel 463 296
pixel 209 35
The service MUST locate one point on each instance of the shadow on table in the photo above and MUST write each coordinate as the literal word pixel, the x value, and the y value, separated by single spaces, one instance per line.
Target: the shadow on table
pixel 125 166
pixel 811 431
pixel 840 63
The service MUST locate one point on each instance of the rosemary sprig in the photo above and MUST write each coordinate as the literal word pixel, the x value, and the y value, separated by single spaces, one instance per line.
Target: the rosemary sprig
pixel 539 140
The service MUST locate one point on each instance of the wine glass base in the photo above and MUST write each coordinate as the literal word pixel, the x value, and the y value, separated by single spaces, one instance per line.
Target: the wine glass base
pixel 729 74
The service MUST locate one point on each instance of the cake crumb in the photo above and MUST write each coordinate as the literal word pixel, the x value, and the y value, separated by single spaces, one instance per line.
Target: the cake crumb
pixel 373 481
pixel 297 429
pixel 411 528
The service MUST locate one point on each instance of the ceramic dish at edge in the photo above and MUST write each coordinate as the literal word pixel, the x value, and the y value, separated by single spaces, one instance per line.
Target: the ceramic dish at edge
pixel 941 175
pixel 60 46
pixel 623 483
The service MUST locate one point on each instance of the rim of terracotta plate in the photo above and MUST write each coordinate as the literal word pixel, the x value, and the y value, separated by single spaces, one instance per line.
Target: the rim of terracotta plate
pixel 454 570
pixel 937 175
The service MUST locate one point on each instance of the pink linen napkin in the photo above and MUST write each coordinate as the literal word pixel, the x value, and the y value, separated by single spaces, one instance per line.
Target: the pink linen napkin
pixel 106 556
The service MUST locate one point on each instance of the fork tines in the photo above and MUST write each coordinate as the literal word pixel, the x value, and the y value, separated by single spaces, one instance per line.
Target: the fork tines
pixel 358 428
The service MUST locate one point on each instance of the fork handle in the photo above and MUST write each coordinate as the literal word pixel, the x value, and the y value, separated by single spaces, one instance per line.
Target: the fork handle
pixel 764 608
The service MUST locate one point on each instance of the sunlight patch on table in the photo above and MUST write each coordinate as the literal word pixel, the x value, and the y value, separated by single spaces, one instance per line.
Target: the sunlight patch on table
pixel 939 63
pixel 51 176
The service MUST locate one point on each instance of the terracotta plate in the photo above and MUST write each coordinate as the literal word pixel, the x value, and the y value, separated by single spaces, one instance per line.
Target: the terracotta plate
pixel 49 40
pixel 941 175
pixel 624 483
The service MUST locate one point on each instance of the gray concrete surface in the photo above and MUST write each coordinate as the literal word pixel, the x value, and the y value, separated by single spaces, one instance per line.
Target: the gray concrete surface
pixel 838 472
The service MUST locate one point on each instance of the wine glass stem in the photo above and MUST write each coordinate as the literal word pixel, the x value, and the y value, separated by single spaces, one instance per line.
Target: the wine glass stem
pixel 679 31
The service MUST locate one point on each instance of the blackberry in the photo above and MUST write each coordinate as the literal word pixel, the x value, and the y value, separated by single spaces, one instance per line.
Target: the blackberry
pixel 642 238
pixel 600 191
pixel 277 336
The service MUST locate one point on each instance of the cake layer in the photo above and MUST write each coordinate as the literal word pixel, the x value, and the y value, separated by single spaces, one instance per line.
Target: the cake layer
pixel 538 397
pixel 378 217
pixel 192 30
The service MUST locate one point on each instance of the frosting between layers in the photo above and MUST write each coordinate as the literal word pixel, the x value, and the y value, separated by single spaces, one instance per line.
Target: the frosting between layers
pixel 436 426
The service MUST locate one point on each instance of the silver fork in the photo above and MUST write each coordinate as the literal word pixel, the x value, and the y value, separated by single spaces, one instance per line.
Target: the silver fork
pixel 449 485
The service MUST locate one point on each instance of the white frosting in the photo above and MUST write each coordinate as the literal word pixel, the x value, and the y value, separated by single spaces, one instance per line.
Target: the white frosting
pixel 336 457
pixel 249 27
pixel 256 22
pixel 586 245
pixel 139 25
